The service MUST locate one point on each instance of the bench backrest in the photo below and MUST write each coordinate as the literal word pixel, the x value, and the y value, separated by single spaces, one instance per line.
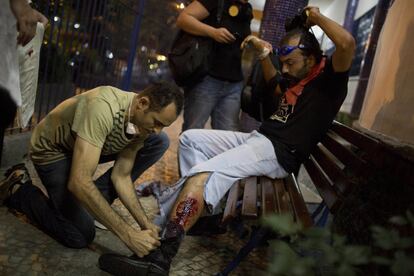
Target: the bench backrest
pixel 338 161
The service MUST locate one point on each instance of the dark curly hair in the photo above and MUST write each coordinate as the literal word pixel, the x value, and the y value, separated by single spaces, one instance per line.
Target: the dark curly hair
pixel 162 94
pixel 308 39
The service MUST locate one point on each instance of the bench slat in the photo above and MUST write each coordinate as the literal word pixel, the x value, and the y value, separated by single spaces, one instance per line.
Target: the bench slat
pixel 268 197
pixel 331 169
pixel 249 207
pixel 356 138
pixel 323 185
pixel 282 196
pixel 345 155
pixel 230 211
pixel 298 204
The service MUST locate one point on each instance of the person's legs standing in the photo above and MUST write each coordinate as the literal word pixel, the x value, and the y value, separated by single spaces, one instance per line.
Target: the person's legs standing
pixel 227 110
pixel 200 101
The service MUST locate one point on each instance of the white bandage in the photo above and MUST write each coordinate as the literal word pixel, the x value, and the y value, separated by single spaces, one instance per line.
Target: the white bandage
pixel 265 52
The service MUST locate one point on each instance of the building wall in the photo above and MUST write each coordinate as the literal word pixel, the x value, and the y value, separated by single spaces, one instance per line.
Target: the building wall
pixel 388 106
pixel 364 6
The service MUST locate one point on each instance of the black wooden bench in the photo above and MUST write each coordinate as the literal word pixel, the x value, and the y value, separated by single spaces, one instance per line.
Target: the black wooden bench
pixel 336 164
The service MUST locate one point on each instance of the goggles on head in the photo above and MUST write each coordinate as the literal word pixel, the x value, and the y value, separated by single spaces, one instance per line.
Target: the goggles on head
pixel 286 50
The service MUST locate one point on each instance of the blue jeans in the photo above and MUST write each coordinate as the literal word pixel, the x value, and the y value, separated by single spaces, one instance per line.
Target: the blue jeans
pixel 61 216
pixel 216 98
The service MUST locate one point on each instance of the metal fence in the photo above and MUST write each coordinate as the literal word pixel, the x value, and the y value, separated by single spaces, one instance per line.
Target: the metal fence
pixel 79 49
pixel 89 43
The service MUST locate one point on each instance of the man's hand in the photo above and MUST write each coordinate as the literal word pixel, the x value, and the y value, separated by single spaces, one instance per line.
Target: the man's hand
pixel 343 40
pixel 258 44
pixel 262 47
pixel 27 19
pixel 155 229
pixel 141 242
pixel 222 35
pixel 312 13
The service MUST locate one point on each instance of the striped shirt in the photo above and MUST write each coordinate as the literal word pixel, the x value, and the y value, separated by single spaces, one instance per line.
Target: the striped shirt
pixel 97 116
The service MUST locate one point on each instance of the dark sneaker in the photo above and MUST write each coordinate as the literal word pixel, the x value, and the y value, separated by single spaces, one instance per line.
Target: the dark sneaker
pixel 16 175
pixel 125 266
pixel 156 263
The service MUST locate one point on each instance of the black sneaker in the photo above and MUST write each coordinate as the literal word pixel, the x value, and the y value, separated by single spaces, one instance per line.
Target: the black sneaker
pixel 125 266
pixel 157 263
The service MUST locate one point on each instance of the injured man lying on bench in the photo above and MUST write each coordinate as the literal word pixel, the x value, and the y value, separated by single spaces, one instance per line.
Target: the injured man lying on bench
pixel 211 161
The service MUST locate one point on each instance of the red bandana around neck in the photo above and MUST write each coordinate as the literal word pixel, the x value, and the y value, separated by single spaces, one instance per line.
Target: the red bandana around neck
pixel 294 92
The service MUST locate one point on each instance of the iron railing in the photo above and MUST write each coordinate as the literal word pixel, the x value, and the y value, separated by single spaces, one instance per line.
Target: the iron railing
pixel 89 43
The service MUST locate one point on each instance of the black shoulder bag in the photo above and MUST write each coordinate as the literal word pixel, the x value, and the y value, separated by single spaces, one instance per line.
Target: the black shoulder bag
pixel 189 55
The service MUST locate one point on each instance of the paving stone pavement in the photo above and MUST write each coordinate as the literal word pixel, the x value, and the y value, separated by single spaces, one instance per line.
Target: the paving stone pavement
pixel 25 250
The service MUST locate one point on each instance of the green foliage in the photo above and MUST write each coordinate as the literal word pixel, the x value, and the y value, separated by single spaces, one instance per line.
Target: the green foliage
pixel 316 251
pixel 345 118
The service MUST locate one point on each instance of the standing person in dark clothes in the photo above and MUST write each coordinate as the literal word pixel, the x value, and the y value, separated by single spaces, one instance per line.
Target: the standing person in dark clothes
pixel 217 94
pixel 211 161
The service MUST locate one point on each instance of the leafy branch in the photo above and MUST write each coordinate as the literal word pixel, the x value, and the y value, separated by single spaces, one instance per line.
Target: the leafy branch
pixel 318 251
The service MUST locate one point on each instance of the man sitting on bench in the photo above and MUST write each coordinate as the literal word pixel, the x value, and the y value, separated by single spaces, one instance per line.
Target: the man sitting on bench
pixel 212 160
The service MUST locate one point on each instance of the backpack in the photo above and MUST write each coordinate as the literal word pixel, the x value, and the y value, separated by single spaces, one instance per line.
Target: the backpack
pixel 257 100
pixel 189 55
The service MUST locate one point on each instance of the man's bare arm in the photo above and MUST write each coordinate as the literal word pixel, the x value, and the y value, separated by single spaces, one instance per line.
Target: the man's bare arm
pixel 84 163
pixel 190 21
pixel 343 40
pixel 121 177
pixel 269 70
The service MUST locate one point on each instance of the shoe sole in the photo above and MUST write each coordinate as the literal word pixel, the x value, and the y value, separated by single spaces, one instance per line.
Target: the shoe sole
pixel 123 266
pixel 100 225
pixel 7 182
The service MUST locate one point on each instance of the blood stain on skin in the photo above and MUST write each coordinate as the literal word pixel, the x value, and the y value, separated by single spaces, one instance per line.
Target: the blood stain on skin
pixel 185 210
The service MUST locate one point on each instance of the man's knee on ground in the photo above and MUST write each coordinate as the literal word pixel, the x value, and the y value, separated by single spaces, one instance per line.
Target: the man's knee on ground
pixel 80 240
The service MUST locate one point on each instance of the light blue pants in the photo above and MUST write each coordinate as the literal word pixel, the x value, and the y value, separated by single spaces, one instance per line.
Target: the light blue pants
pixel 229 156
pixel 216 98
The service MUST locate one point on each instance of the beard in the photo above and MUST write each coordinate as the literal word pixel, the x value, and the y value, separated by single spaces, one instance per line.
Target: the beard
pixel 291 80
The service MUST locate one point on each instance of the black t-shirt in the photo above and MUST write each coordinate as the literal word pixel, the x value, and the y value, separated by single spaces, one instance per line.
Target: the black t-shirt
pixel 295 131
pixel 226 58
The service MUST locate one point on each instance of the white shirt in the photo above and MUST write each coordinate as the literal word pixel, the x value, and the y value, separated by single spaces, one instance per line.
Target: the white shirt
pixel 9 63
